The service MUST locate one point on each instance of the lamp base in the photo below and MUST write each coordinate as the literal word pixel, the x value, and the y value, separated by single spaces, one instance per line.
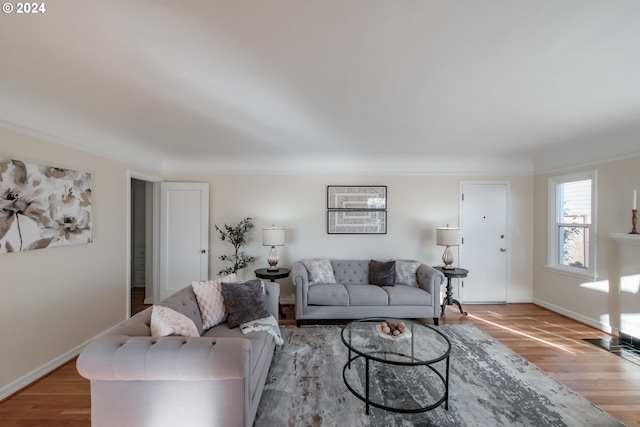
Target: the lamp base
pixel 448 267
pixel 273 259
pixel 447 258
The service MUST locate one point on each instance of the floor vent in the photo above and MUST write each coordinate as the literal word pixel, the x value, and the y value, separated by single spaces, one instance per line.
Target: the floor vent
pixel 622 348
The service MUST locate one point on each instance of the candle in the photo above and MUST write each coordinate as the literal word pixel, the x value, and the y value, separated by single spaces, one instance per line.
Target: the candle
pixel 635 196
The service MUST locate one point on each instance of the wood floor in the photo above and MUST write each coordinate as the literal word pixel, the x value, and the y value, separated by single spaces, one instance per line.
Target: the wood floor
pixel 550 341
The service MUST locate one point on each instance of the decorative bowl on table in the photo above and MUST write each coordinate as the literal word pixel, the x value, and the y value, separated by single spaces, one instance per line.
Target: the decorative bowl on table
pixel 393 330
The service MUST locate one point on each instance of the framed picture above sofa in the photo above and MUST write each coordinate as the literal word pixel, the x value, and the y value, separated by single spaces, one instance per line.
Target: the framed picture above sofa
pixel 356 209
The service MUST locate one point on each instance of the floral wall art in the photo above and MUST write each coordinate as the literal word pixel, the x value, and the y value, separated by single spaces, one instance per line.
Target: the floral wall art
pixel 43 206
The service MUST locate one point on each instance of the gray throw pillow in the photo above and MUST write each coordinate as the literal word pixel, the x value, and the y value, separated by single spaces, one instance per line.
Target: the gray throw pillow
pixel 406 272
pixel 245 302
pixel 382 273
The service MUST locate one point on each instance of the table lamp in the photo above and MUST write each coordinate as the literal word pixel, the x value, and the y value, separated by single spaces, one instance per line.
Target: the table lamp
pixel 447 237
pixel 273 237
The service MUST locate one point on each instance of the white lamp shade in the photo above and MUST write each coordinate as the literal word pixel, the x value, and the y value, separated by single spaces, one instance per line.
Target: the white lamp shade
pixel 448 236
pixel 273 236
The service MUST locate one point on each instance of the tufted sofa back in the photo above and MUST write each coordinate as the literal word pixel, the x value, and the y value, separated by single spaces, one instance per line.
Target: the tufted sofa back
pixel 184 301
pixel 351 271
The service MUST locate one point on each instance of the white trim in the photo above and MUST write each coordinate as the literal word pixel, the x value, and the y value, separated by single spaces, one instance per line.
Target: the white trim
pixel 552 232
pixel 521 300
pixel 604 327
pixel 142 158
pixel 155 179
pixel 585 164
pixel 288 299
pixel 626 239
pixel 40 372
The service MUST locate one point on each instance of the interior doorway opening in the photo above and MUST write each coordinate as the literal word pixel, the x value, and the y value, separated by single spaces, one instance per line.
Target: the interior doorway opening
pixel 143 242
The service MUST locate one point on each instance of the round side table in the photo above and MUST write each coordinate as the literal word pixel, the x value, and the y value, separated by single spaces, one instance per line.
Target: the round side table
pixel 450 273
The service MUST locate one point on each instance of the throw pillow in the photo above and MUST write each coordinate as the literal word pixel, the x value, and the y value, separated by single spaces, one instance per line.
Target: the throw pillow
pixel 210 300
pixel 165 321
pixel 382 273
pixel 320 271
pixel 245 302
pixel 406 272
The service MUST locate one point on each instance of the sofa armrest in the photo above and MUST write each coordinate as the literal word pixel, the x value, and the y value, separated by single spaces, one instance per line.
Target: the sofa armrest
pixel 430 280
pixel 300 278
pixel 126 358
pixel 272 296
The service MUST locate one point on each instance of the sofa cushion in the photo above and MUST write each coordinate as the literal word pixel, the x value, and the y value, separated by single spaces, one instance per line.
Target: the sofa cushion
pixel 210 300
pixel 327 294
pixel 320 271
pixel 245 302
pixel 382 273
pixel 406 273
pixel 407 295
pixel 165 321
pixel 367 295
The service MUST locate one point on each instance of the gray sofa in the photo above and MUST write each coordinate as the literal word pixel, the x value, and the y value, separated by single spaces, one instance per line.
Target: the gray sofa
pixel 353 297
pixel 213 380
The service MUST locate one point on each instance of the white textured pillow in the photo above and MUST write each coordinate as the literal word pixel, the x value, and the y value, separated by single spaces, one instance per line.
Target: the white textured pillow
pixel 211 301
pixel 320 271
pixel 165 321
pixel 406 272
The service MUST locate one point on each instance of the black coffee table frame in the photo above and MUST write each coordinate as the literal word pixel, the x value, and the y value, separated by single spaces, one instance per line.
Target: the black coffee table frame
pixel 411 361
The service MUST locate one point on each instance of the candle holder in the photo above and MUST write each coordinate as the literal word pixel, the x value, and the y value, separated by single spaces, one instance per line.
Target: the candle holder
pixel 634 221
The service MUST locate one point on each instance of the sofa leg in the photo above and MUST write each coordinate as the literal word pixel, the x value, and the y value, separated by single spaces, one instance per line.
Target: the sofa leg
pixel 298 323
pixel 436 321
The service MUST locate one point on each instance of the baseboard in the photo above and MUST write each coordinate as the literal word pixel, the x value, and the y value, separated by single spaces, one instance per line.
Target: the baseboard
pixel 38 373
pixel 521 300
pixel 288 299
pixel 579 317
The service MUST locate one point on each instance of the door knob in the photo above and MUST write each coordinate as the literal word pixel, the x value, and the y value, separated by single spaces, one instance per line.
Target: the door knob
pixel 503 250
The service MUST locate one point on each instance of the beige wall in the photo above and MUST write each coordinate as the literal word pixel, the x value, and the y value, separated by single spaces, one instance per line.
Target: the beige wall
pixel 54 300
pixel 594 302
pixel 416 206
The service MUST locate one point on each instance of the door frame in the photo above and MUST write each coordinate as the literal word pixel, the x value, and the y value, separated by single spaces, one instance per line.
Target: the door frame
pixel 156 180
pixel 507 185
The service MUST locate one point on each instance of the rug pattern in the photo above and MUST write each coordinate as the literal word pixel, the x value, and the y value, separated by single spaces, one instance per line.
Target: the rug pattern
pixel 490 385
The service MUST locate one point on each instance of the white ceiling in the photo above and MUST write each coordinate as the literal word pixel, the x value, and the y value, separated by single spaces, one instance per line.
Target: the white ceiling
pixel 402 86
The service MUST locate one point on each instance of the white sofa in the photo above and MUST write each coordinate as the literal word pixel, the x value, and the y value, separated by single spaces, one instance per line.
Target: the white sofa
pixel 215 380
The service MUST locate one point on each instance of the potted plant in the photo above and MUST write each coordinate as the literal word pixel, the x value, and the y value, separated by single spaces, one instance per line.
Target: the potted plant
pixel 237 237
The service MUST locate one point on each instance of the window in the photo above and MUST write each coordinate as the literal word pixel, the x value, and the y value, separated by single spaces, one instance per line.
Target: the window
pixel 572 224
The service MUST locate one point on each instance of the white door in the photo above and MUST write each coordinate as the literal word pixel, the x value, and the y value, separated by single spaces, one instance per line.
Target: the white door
pixel 184 235
pixel 484 242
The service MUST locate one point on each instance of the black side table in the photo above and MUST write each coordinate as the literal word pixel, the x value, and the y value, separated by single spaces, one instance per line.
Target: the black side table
pixel 272 275
pixel 450 273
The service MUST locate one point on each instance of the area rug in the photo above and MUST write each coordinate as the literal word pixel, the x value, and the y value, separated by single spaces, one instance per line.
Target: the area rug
pixel 490 385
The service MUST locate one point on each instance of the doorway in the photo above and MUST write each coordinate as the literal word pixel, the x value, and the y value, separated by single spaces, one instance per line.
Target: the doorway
pixel 142 245
pixel 485 242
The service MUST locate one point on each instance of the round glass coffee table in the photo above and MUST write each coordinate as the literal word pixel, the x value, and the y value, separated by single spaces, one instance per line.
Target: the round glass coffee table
pixel 405 372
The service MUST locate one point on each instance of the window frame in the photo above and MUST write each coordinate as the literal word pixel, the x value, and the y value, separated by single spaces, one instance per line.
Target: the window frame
pixel 553 233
